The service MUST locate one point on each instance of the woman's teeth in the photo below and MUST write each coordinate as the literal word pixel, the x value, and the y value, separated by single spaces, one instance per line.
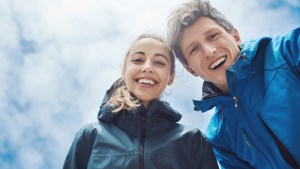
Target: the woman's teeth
pixel 146 81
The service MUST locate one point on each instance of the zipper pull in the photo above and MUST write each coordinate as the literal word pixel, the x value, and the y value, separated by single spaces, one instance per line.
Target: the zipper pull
pixel 235 101
pixel 243 56
pixel 246 138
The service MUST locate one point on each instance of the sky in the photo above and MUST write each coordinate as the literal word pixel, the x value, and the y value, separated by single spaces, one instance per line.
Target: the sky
pixel 58 58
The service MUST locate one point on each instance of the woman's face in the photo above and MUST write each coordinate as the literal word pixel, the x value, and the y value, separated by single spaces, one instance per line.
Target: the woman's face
pixel 148 69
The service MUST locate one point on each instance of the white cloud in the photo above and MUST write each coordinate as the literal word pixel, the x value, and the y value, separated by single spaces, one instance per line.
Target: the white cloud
pixel 31 158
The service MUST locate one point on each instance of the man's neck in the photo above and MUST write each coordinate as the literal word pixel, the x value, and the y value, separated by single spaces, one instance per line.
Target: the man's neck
pixel 223 87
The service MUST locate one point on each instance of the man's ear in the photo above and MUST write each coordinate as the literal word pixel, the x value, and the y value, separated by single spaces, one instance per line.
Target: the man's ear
pixel 171 80
pixel 191 71
pixel 236 36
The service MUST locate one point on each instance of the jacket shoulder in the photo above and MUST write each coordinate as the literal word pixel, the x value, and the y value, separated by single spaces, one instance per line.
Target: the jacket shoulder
pixel 201 148
pixel 86 136
pixel 193 132
pixel 87 130
pixel 81 147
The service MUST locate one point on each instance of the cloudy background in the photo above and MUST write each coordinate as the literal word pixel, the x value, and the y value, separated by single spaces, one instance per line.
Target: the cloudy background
pixel 58 57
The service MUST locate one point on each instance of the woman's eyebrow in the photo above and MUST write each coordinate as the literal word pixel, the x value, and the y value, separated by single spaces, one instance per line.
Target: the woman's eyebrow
pixel 138 52
pixel 161 55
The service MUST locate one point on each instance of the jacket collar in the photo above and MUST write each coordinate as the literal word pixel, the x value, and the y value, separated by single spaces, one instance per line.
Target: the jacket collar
pixel 157 109
pixel 211 95
pixel 209 90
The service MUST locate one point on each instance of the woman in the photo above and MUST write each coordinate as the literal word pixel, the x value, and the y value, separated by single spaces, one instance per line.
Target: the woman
pixel 135 129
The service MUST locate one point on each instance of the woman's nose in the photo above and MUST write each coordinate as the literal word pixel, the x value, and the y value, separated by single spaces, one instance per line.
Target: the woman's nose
pixel 147 67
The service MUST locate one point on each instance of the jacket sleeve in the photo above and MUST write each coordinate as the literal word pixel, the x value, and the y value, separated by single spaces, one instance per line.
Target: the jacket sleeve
pixel 228 160
pixel 80 150
pixel 288 46
pixel 204 157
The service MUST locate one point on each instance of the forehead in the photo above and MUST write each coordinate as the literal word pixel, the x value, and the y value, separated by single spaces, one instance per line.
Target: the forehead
pixel 204 24
pixel 201 27
pixel 149 45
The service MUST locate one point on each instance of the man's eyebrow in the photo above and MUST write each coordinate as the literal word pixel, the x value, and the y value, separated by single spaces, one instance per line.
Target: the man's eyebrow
pixel 207 32
pixel 210 31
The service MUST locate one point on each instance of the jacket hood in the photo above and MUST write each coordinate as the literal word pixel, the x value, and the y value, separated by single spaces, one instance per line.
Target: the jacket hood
pixel 157 109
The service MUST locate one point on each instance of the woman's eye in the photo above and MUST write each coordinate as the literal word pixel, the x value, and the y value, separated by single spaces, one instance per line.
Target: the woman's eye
pixel 137 60
pixel 160 63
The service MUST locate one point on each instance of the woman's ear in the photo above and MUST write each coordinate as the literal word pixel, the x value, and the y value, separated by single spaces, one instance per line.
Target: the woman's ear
pixel 189 69
pixel 171 79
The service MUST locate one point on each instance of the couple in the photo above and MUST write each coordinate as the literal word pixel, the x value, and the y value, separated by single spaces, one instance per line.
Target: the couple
pixel 253 86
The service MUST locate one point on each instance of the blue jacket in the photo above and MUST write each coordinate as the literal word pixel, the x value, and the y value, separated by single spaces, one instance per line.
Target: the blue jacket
pixel 140 139
pixel 257 125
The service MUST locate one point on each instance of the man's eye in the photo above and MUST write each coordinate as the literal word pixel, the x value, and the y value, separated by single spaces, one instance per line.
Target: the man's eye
pixel 213 36
pixel 193 50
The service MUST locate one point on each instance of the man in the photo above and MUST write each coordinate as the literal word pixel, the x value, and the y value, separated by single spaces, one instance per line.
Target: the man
pixel 253 86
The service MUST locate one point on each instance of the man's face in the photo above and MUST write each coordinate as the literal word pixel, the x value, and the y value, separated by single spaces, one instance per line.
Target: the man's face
pixel 209 50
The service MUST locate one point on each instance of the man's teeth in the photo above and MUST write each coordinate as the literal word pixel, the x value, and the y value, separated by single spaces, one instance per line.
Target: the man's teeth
pixel 216 63
pixel 146 81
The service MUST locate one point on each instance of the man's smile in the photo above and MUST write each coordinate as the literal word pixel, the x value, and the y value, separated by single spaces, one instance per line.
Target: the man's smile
pixel 219 62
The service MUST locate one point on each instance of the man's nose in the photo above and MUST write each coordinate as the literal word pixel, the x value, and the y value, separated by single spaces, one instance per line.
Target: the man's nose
pixel 209 50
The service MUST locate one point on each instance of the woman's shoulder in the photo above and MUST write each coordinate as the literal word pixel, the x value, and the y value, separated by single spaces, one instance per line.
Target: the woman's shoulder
pixel 193 135
pixel 89 129
pixel 191 130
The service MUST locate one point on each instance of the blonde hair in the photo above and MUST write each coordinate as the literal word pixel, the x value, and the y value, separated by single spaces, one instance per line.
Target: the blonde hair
pixel 121 98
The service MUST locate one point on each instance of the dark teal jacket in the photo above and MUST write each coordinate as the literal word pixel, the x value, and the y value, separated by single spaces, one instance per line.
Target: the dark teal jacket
pixel 141 139
pixel 257 125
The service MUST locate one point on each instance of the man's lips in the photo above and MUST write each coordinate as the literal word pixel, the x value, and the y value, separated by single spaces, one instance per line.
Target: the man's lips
pixel 218 63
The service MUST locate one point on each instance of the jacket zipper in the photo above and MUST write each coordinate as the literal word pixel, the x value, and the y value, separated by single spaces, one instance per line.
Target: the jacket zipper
pixel 266 146
pixel 249 143
pixel 253 129
pixel 235 101
pixel 142 141
pixel 247 139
